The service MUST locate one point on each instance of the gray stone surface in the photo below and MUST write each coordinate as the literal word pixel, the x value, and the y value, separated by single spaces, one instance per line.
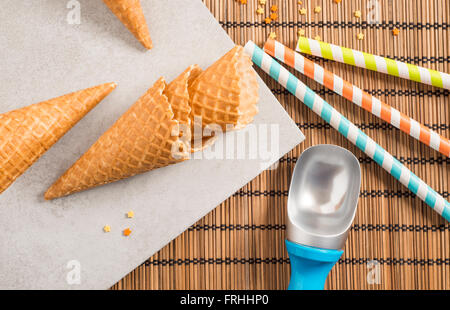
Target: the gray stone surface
pixel 42 57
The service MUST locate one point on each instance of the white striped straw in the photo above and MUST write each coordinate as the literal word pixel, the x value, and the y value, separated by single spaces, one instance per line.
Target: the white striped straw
pixel 373 62
pixel 349 130
pixel 358 96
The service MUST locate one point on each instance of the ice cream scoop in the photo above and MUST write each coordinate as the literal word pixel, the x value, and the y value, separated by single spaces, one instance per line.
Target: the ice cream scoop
pixel 322 203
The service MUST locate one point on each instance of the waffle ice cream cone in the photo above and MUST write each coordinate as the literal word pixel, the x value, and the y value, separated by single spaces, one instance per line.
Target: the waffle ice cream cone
pixel 226 93
pixel 131 15
pixel 150 134
pixel 27 133
pixel 141 140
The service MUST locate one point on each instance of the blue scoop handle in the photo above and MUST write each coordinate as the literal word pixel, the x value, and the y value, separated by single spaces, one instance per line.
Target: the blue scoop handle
pixel 310 266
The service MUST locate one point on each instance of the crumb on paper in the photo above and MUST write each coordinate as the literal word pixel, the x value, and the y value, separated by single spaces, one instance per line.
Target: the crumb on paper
pixel 357 14
pixel 360 36
pixel 127 232
pixel 302 11
pixel 273 35
pixel 130 214
pixel 317 9
pixel 395 32
pixel 107 228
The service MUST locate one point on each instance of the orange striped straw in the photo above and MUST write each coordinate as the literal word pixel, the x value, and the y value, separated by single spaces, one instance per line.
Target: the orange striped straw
pixel 358 96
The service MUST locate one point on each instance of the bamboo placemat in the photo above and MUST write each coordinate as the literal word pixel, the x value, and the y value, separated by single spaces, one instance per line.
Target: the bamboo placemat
pixel 240 245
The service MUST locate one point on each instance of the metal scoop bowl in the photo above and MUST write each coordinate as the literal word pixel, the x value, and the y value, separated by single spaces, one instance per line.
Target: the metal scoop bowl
pixel 322 202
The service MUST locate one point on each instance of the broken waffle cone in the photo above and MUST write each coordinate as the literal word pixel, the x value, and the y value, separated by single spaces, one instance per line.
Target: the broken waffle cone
pixel 178 96
pixel 141 140
pixel 27 133
pixel 226 94
pixel 150 134
pixel 131 15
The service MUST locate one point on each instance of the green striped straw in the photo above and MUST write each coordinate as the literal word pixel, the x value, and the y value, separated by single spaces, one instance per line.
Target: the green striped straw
pixel 373 62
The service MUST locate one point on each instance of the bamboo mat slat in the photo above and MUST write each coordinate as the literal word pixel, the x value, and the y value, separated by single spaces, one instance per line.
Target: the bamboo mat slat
pixel 240 245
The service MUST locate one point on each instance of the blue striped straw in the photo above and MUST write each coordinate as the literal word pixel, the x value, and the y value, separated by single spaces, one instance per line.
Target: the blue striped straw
pixel 349 130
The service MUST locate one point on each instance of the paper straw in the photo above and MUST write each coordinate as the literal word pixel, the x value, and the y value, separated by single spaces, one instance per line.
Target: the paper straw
pixel 358 96
pixel 349 130
pixel 373 62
